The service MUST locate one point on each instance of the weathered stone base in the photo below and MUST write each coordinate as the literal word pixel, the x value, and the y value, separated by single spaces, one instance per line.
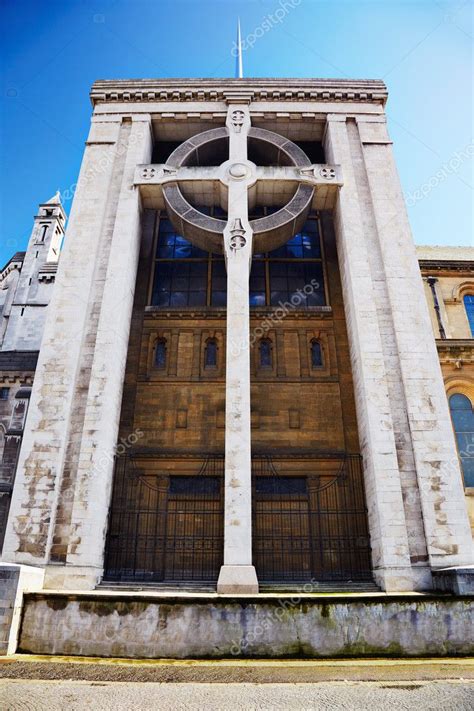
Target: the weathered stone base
pixel 459 581
pixel 237 580
pixel 71 577
pixel 142 625
pixel 14 581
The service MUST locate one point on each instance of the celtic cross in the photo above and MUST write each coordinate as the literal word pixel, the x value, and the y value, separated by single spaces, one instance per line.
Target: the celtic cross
pixel 238 184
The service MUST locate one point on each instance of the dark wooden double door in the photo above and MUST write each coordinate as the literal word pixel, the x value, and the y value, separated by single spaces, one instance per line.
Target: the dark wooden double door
pixel 169 529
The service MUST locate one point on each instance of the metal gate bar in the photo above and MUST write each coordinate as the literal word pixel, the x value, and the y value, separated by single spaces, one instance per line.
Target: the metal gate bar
pixel 311 526
pixel 166 527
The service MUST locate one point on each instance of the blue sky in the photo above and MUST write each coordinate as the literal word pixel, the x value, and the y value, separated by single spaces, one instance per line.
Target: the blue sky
pixel 52 51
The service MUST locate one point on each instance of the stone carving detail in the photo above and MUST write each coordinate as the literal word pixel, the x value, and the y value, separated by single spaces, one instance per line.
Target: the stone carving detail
pixel 237 239
pixel 151 172
pixel 308 172
pixel 237 120
pixel 148 173
pixel 327 173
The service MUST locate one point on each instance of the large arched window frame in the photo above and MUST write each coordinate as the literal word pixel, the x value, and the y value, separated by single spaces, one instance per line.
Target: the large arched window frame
pixel 462 416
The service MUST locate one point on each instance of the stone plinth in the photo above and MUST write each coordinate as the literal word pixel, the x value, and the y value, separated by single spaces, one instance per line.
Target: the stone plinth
pixel 459 581
pixel 14 581
pixel 179 626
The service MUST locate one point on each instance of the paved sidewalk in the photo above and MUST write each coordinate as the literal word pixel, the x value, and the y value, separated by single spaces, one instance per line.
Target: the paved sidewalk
pixel 261 671
pixel 28 695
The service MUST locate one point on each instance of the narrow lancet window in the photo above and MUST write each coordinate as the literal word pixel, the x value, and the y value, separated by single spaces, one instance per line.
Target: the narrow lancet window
pixel 316 354
pixel 265 353
pixel 160 354
pixel 210 353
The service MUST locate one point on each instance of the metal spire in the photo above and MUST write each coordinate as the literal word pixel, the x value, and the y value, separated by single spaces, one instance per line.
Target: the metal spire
pixel 239 70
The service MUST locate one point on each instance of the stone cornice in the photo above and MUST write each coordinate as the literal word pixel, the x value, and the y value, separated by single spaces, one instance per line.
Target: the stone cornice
pixel 261 313
pixel 16 378
pixel 456 349
pixel 10 267
pixel 444 265
pixel 222 90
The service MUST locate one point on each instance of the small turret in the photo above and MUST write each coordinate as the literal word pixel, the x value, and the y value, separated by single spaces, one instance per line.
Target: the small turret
pixel 24 306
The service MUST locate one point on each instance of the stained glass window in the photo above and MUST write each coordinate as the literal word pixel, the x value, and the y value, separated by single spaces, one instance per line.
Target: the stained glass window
pixel 290 276
pixel 462 416
pixel 469 306
pixel 316 354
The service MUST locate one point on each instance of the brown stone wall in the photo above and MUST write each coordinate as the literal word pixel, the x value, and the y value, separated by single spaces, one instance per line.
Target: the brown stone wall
pixel 294 406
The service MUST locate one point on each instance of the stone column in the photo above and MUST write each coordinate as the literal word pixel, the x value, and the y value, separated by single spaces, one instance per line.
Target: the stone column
pixel 388 530
pixel 445 519
pixel 92 491
pixel 29 532
pixel 238 574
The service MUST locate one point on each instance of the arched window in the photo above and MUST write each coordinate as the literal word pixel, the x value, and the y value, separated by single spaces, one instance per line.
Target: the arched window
pixel 316 354
pixel 210 353
pixel 265 353
pixel 469 306
pixel 160 354
pixel 463 422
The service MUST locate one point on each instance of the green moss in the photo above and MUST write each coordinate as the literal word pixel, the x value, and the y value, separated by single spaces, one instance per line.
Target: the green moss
pixel 101 608
pixel 55 603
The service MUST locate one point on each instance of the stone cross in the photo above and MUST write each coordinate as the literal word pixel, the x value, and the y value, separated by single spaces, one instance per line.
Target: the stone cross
pixel 242 180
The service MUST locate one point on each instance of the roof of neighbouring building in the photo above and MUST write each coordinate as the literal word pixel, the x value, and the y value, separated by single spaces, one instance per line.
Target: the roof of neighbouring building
pixel 18 360
pixel 17 257
pixel 444 253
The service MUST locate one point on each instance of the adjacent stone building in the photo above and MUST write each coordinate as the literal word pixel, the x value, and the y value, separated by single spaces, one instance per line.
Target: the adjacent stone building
pixel 237 384
pixel 26 284
pixel 448 275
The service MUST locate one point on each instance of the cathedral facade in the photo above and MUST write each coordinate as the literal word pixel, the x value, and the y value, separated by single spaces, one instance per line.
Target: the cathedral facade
pixel 235 385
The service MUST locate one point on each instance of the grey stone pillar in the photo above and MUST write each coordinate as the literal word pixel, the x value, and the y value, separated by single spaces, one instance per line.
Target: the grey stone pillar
pixel 35 497
pixel 93 485
pixel 388 530
pixel 60 501
pixel 447 530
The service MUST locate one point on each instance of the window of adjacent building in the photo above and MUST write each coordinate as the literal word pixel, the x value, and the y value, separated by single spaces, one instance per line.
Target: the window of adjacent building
pixel 316 354
pixel 191 277
pixel 4 393
pixel 160 354
pixel 210 353
pixel 463 422
pixel 42 234
pixel 265 353
pixel 469 306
